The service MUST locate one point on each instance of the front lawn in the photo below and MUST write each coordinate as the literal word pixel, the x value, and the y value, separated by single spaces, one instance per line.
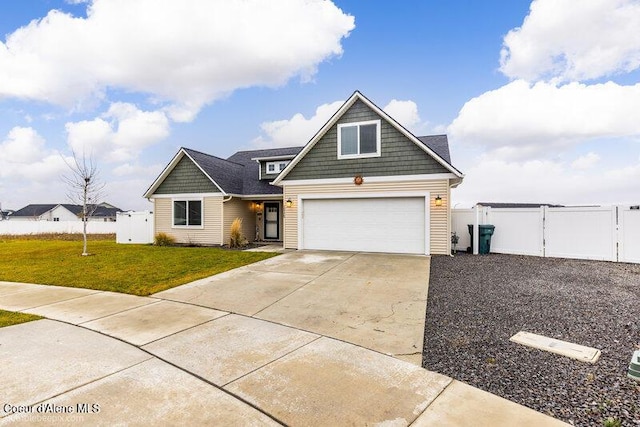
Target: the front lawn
pixel 8 318
pixel 131 269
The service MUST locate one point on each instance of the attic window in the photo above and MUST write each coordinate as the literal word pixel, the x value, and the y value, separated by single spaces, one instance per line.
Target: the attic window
pixel 277 167
pixel 361 139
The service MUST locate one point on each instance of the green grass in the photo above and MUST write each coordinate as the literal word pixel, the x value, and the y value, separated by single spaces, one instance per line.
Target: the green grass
pixel 131 269
pixel 8 318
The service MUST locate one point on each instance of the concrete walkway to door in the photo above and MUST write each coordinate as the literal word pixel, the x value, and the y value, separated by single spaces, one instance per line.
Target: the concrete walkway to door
pixel 377 301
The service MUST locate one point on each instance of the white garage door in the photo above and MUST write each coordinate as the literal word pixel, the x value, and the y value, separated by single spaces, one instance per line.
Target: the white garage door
pixel 392 224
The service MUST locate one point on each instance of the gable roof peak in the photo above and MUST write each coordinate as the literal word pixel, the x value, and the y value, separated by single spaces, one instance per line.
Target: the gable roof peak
pixel 336 117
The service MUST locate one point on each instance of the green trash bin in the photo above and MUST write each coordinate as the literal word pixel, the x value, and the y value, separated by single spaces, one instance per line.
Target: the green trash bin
pixel 485 231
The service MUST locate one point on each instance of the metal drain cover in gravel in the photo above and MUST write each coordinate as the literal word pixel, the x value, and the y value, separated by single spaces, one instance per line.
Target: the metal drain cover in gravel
pixel 563 348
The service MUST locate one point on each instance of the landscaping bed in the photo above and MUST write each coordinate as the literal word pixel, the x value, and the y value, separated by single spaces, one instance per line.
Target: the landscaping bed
pixel 476 303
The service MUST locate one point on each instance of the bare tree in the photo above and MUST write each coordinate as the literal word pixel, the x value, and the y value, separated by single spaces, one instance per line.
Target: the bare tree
pixel 85 189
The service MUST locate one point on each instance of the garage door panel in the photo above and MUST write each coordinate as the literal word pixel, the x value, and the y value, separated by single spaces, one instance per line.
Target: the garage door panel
pixel 394 225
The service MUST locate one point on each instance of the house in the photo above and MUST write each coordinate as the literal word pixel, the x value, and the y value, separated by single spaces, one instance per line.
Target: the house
pixel 362 183
pixel 64 212
pixel 4 215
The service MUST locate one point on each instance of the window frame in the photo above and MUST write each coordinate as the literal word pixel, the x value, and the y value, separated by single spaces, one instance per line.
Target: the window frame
pixel 187 200
pixel 276 166
pixel 358 155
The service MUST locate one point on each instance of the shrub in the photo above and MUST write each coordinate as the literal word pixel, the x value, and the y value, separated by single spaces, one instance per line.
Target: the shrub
pixel 236 238
pixel 164 239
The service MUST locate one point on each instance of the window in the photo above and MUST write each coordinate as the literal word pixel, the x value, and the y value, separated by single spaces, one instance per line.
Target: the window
pixel 277 167
pixel 360 139
pixel 187 213
pixel 56 219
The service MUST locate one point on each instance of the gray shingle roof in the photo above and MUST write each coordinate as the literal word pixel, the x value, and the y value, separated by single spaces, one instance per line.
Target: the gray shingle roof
pixel 227 174
pixel 33 210
pixel 438 144
pixel 36 210
pixel 251 174
pixel 239 174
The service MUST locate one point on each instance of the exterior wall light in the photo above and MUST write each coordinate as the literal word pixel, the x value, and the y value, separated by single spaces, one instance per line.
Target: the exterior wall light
pixel 289 203
pixel 438 201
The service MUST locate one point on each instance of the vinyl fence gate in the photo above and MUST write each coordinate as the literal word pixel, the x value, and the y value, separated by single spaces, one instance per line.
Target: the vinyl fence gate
pixel 134 227
pixel 606 233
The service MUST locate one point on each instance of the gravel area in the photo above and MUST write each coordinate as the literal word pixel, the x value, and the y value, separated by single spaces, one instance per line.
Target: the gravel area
pixel 476 303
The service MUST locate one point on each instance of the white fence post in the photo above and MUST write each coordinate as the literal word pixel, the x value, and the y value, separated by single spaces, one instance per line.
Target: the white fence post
pixel 476 230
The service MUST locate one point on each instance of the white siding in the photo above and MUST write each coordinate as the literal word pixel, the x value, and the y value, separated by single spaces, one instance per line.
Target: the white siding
pixel 440 242
pixel 209 234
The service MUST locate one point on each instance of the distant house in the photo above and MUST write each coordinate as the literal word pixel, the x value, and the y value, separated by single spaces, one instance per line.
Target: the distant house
pixel 63 212
pixel 4 215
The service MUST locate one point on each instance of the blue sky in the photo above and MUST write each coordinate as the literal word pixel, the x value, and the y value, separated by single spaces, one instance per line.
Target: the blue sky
pixel 541 100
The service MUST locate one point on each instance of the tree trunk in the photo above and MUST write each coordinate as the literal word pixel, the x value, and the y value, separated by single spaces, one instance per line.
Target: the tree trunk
pixel 84 220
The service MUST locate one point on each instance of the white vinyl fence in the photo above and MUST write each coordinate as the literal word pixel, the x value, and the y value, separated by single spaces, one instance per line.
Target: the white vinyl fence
pixel 134 227
pixel 44 227
pixel 609 233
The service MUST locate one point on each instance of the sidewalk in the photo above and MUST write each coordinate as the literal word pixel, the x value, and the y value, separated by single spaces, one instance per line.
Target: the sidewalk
pixel 144 360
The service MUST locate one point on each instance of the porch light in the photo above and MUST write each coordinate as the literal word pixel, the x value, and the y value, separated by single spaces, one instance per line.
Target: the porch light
pixel 438 200
pixel 289 203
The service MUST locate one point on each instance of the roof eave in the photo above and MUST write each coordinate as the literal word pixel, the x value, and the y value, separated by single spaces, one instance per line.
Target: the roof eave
pixel 283 157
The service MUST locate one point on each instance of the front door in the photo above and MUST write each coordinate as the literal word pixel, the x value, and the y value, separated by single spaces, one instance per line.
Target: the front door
pixel 272 221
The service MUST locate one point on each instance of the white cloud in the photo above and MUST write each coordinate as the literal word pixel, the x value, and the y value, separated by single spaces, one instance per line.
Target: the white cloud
pixel 24 156
pixel 187 52
pixel 573 40
pixel 147 172
pixel 120 134
pixel 22 145
pixel 297 130
pixel 585 162
pixel 520 120
pixel 545 181
pixel 404 112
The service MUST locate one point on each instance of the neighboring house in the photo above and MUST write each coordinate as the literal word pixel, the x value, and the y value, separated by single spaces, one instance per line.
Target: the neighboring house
pixel 63 212
pixel 363 183
pixel 4 215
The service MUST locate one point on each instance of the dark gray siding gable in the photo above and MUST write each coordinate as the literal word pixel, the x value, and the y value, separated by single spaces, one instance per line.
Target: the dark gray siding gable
pixel 186 177
pixel 399 156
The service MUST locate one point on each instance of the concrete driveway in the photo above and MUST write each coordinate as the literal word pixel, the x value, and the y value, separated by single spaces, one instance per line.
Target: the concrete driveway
pixel 211 357
pixel 377 301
